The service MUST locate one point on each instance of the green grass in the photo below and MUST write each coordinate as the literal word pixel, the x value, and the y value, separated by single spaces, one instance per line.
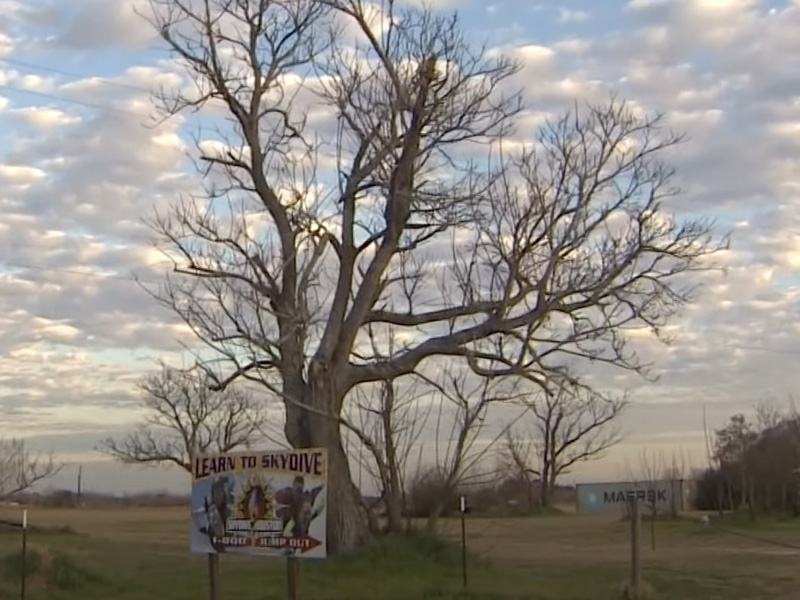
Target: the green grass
pixel 130 555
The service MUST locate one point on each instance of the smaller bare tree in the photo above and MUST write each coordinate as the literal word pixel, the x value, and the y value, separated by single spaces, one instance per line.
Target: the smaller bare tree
pixel 21 469
pixel 517 456
pixel 564 427
pixel 388 420
pixel 460 446
pixel 185 417
pixel 676 472
pixel 732 444
pixel 649 474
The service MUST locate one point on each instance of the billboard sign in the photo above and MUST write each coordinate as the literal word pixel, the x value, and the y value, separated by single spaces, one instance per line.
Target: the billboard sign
pixel 614 497
pixel 260 503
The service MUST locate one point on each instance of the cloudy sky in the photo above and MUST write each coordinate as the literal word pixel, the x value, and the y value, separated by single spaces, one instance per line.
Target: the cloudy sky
pixel 80 163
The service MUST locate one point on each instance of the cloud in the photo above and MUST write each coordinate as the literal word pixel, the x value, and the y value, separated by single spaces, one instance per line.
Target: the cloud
pixel 86 25
pixel 567 15
pixel 20 174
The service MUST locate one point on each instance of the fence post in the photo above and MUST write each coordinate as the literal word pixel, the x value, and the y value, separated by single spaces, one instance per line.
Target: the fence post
pixel 636 568
pixel 462 508
pixel 653 514
pixel 23 557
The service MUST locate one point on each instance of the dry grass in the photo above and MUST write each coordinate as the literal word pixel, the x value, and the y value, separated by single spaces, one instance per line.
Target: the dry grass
pixel 135 553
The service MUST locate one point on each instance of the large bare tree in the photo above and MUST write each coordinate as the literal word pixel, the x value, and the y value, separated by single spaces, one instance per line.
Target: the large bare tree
pixel 21 468
pixel 561 429
pixel 355 180
pixel 185 417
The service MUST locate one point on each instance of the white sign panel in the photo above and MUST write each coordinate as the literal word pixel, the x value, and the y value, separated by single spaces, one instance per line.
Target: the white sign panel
pixel 261 503
pixel 614 497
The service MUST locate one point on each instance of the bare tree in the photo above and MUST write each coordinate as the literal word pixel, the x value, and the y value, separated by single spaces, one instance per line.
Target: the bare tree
pixel 676 472
pixel 714 466
pixel 185 418
pixel 390 420
pixel 561 429
pixel 518 458
pixel 346 189
pixel 21 469
pixel 649 474
pixel 462 440
pixel 732 444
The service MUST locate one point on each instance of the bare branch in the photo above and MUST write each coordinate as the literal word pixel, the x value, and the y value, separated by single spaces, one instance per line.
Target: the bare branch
pixel 186 417
pixel 21 469
pixel 572 425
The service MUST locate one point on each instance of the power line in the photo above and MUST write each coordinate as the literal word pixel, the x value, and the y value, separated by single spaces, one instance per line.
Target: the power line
pixel 786 351
pixel 110 276
pixel 73 101
pixel 73 75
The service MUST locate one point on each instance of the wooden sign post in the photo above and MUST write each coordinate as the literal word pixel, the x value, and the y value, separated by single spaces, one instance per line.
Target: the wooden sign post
pixel 213 577
pixel 293 577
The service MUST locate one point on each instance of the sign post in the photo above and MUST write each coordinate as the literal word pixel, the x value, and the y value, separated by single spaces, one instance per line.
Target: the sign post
pixel 213 576
pixel 293 577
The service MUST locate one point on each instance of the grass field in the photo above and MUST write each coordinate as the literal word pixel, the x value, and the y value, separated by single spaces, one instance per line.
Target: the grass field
pixel 141 554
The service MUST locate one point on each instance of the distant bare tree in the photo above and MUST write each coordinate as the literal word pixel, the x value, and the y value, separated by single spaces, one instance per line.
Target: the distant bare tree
pixel 21 469
pixel 513 263
pixel 754 463
pixel 388 418
pixel 677 471
pixel 561 429
pixel 185 418
pixel 649 474
pixel 391 417
pixel 732 444
pixel 518 458
pixel 462 441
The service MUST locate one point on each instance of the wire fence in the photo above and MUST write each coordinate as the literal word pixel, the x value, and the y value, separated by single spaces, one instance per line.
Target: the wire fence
pixel 686 544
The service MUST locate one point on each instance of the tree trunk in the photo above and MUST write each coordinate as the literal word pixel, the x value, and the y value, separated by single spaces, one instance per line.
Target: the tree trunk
pixel 393 486
pixel 751 491
pixel 311 428
pixel 547 484
pixel 394 511
pixel 372 521
pixel 731 499
pixel 347 523
pixel 544 493
pixel 433 517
